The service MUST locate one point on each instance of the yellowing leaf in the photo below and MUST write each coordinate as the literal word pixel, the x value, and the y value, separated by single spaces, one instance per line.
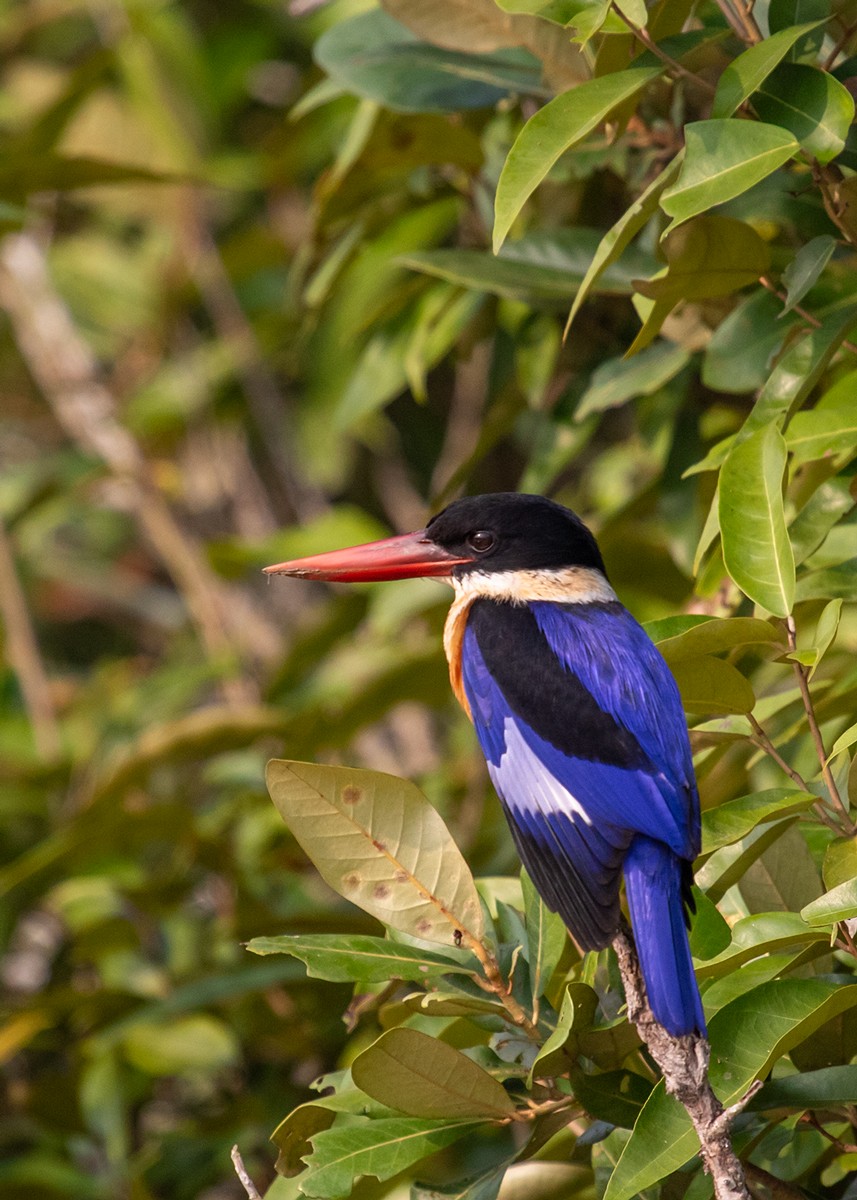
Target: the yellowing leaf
pixel 379 843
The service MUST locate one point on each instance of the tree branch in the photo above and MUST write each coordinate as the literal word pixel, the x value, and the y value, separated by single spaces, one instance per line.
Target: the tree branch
pixel 24 657
pixel 65 369
pixel 684 1063
pixel 241 1171
pixel 849 828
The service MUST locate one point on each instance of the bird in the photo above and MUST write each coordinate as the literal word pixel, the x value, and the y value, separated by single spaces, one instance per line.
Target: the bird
pixel 577 714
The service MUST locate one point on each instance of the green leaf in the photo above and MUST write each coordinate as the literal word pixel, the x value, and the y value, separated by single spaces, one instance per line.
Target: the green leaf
pixel 621 379
pixel 839 904
pixel 715 635
pixel 376 57
pixel 380 1148
pixel 730 822
pixel 710 256
pixel 747 72
pixel 797 372
pixel 762 933
pixel 722 160
pixel 840 861
pixel 826 1088
pixel 379 843
pixel 747 1037
pixel 804 270
pixel 541 266
pixel 825 508
pixel 711 685
pixel 614 1096
pixel 823 432
pixel 358 958
pixel 546 939
pixel 737 358
pixel 292 1136
pixel 424 1077
pixel 579 1003
pixel 479 1187
pixel 756 548
pixel 784 14
pixel 829 582
pixel 810 104
pixel 825 633
pixel 553 130
pixel 617 238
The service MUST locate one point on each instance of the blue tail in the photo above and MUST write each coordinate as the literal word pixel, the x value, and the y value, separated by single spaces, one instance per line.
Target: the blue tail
pixel 653 884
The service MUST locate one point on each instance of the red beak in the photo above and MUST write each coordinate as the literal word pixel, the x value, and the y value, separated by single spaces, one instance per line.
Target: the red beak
pixel 404 557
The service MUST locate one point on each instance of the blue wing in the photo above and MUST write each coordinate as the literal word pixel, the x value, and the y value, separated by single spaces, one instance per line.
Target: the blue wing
pixel 574 806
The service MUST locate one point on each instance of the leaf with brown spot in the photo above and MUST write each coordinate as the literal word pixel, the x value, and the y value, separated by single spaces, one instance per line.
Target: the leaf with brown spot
pixel 379 843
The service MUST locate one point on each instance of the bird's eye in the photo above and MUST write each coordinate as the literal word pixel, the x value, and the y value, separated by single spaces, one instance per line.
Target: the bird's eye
pixel 481 541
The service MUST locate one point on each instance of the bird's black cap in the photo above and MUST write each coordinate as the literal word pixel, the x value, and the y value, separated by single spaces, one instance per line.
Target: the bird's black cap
pixel 509 531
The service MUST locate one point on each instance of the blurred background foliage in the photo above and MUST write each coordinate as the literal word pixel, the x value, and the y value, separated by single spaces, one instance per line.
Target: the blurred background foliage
pixel 249 311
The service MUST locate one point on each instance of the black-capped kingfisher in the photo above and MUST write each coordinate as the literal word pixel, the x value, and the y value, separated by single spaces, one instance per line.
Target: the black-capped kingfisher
pixel 578 717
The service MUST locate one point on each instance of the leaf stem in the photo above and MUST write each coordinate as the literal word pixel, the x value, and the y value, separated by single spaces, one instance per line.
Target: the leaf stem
pixel 801 312
pixel 800 671
pixel 501 987
pixel 645 38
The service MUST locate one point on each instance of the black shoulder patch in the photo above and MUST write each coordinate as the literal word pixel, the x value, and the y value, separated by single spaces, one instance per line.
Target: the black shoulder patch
pixel 543 692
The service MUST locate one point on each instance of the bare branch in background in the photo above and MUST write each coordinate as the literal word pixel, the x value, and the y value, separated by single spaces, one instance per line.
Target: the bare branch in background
pixel 66 371
pixel 22 650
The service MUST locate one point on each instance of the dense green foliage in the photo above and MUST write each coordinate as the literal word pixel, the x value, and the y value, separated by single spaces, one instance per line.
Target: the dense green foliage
pixel 273 283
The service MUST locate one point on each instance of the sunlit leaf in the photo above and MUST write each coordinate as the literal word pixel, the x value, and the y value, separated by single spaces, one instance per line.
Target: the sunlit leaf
pixel 553 130
pixel 756 548
pixel 839 904
pixel 546 939
pixel 378 842
pixel 722 160
pixel 358 958
pixel 733 820
pixel 745 74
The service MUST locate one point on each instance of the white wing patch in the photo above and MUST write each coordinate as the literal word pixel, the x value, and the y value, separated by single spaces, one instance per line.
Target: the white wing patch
pixel 526 785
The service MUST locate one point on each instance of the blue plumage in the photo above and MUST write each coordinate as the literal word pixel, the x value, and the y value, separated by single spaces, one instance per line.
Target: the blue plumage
pixel 584 810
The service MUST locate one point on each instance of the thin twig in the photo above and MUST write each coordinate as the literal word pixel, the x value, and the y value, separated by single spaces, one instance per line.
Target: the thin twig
pixel 801 312
pixel 644 37
pixel 764 743
pixel 22 649
pixel 745 15
pixel 684 1064
pixel 241 1172
pixel 735 23
pixel 800 671
pixel 840 46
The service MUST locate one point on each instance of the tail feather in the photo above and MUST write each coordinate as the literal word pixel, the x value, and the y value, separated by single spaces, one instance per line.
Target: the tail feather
pixel 654 886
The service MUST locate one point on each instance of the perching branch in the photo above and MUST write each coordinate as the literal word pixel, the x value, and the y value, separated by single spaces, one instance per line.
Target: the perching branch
pixel 684 1063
